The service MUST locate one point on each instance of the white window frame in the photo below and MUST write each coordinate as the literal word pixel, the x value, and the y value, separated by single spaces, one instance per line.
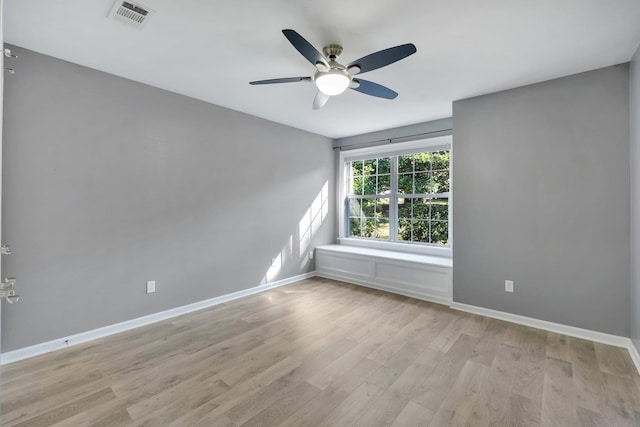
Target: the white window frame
pixel 394 149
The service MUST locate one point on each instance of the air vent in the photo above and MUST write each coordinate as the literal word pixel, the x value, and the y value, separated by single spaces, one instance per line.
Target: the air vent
pixel 130 13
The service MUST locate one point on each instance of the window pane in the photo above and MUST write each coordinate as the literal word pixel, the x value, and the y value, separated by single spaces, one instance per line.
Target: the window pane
pixel 369 185
pixel 404 208
pixel 440 160
pixel 404 230
pixel 384 165
pixel 357 185
pixel 440 232
pixel 405 164
pixel 368 227
pixel 368 207
pixel 382 228
pixel 356 168
pixel 440 181
pixel 420 231
pixel 355 210
pixel 405 184
pixel 384 184
pixel 370 167
pixel 421 208
pixel 422 161
pixel 354 229
pixel 382 207
pixel 440 209
pixel 423 183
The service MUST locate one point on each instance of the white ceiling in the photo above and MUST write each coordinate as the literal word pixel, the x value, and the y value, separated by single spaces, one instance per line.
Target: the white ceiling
pixel 210 50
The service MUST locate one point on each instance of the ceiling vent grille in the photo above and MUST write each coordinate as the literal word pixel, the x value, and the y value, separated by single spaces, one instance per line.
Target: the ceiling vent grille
pixel 134 14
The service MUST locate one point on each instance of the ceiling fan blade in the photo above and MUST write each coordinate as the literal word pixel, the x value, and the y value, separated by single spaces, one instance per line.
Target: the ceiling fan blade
pixel 374 89
pixel 381 58
pixel 283 80
pixel 305 48
pixel 320 100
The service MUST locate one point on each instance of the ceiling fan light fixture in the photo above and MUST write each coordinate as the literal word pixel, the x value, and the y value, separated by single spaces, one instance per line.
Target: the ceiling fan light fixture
pixel 332 82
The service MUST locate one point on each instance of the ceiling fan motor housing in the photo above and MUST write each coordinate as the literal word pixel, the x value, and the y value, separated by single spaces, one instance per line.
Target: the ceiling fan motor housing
pixel 332 51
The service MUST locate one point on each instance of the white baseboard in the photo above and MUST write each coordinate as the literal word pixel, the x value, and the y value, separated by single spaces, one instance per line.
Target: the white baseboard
pixel 386 288
pixel 572 331
pixel 82 337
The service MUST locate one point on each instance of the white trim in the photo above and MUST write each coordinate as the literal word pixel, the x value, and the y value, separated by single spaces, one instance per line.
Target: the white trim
pixel 382 287
pixel 559 328
pixel 82 337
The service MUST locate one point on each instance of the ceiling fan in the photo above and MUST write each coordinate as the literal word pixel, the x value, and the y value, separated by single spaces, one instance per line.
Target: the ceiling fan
pixel 332 78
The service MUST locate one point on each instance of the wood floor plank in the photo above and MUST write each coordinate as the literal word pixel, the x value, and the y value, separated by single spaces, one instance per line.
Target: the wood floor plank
pixel 493 397
pixel 178 396
pixel 559 396
pixel 496 333
pixel 400 338
pixel 435 387
pixel 457 407
pixel 611 360
pixel 350 410
pixel 529 380
pixel 587 418
pixel 245 409
pixel 521 412
pixel 449 335
pixel 102 414
pixel 558 346
pixel 413 415
pixel 324 352
pixel 622 397
pixel 411 380
pixel 278 411
pixel 254 361
pixel 57 414
pixel 313 413
pixel 588 381
pixel 344 363
pixel 397 380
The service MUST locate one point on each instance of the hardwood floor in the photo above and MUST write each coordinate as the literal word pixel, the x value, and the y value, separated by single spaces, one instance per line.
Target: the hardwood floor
pixel 326 353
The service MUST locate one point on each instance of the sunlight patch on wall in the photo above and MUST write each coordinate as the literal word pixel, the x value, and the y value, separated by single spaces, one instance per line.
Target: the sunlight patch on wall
pixel 278 262
pixel 308 227
pixel 311 221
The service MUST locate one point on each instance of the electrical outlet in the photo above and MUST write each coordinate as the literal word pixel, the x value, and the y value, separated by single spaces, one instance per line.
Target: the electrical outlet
pixel 311 254
pixel 151 286
pixel 508 285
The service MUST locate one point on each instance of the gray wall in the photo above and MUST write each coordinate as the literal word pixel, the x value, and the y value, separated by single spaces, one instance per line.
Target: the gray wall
pixel 634 106
pixel 109 183
pixel 541 197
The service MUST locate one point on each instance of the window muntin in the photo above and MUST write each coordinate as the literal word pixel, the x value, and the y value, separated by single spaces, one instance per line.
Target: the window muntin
pixel 403 198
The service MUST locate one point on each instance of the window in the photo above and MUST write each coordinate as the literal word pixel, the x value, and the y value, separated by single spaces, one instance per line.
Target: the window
pixel 400 196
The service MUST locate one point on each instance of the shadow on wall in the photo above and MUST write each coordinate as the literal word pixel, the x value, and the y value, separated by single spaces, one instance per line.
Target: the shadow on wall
pixel 308 227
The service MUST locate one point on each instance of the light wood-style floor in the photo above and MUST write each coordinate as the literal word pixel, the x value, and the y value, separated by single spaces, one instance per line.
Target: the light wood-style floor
pixel 326 353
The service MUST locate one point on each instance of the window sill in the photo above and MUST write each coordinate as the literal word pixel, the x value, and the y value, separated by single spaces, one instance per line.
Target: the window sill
pixel 401 248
